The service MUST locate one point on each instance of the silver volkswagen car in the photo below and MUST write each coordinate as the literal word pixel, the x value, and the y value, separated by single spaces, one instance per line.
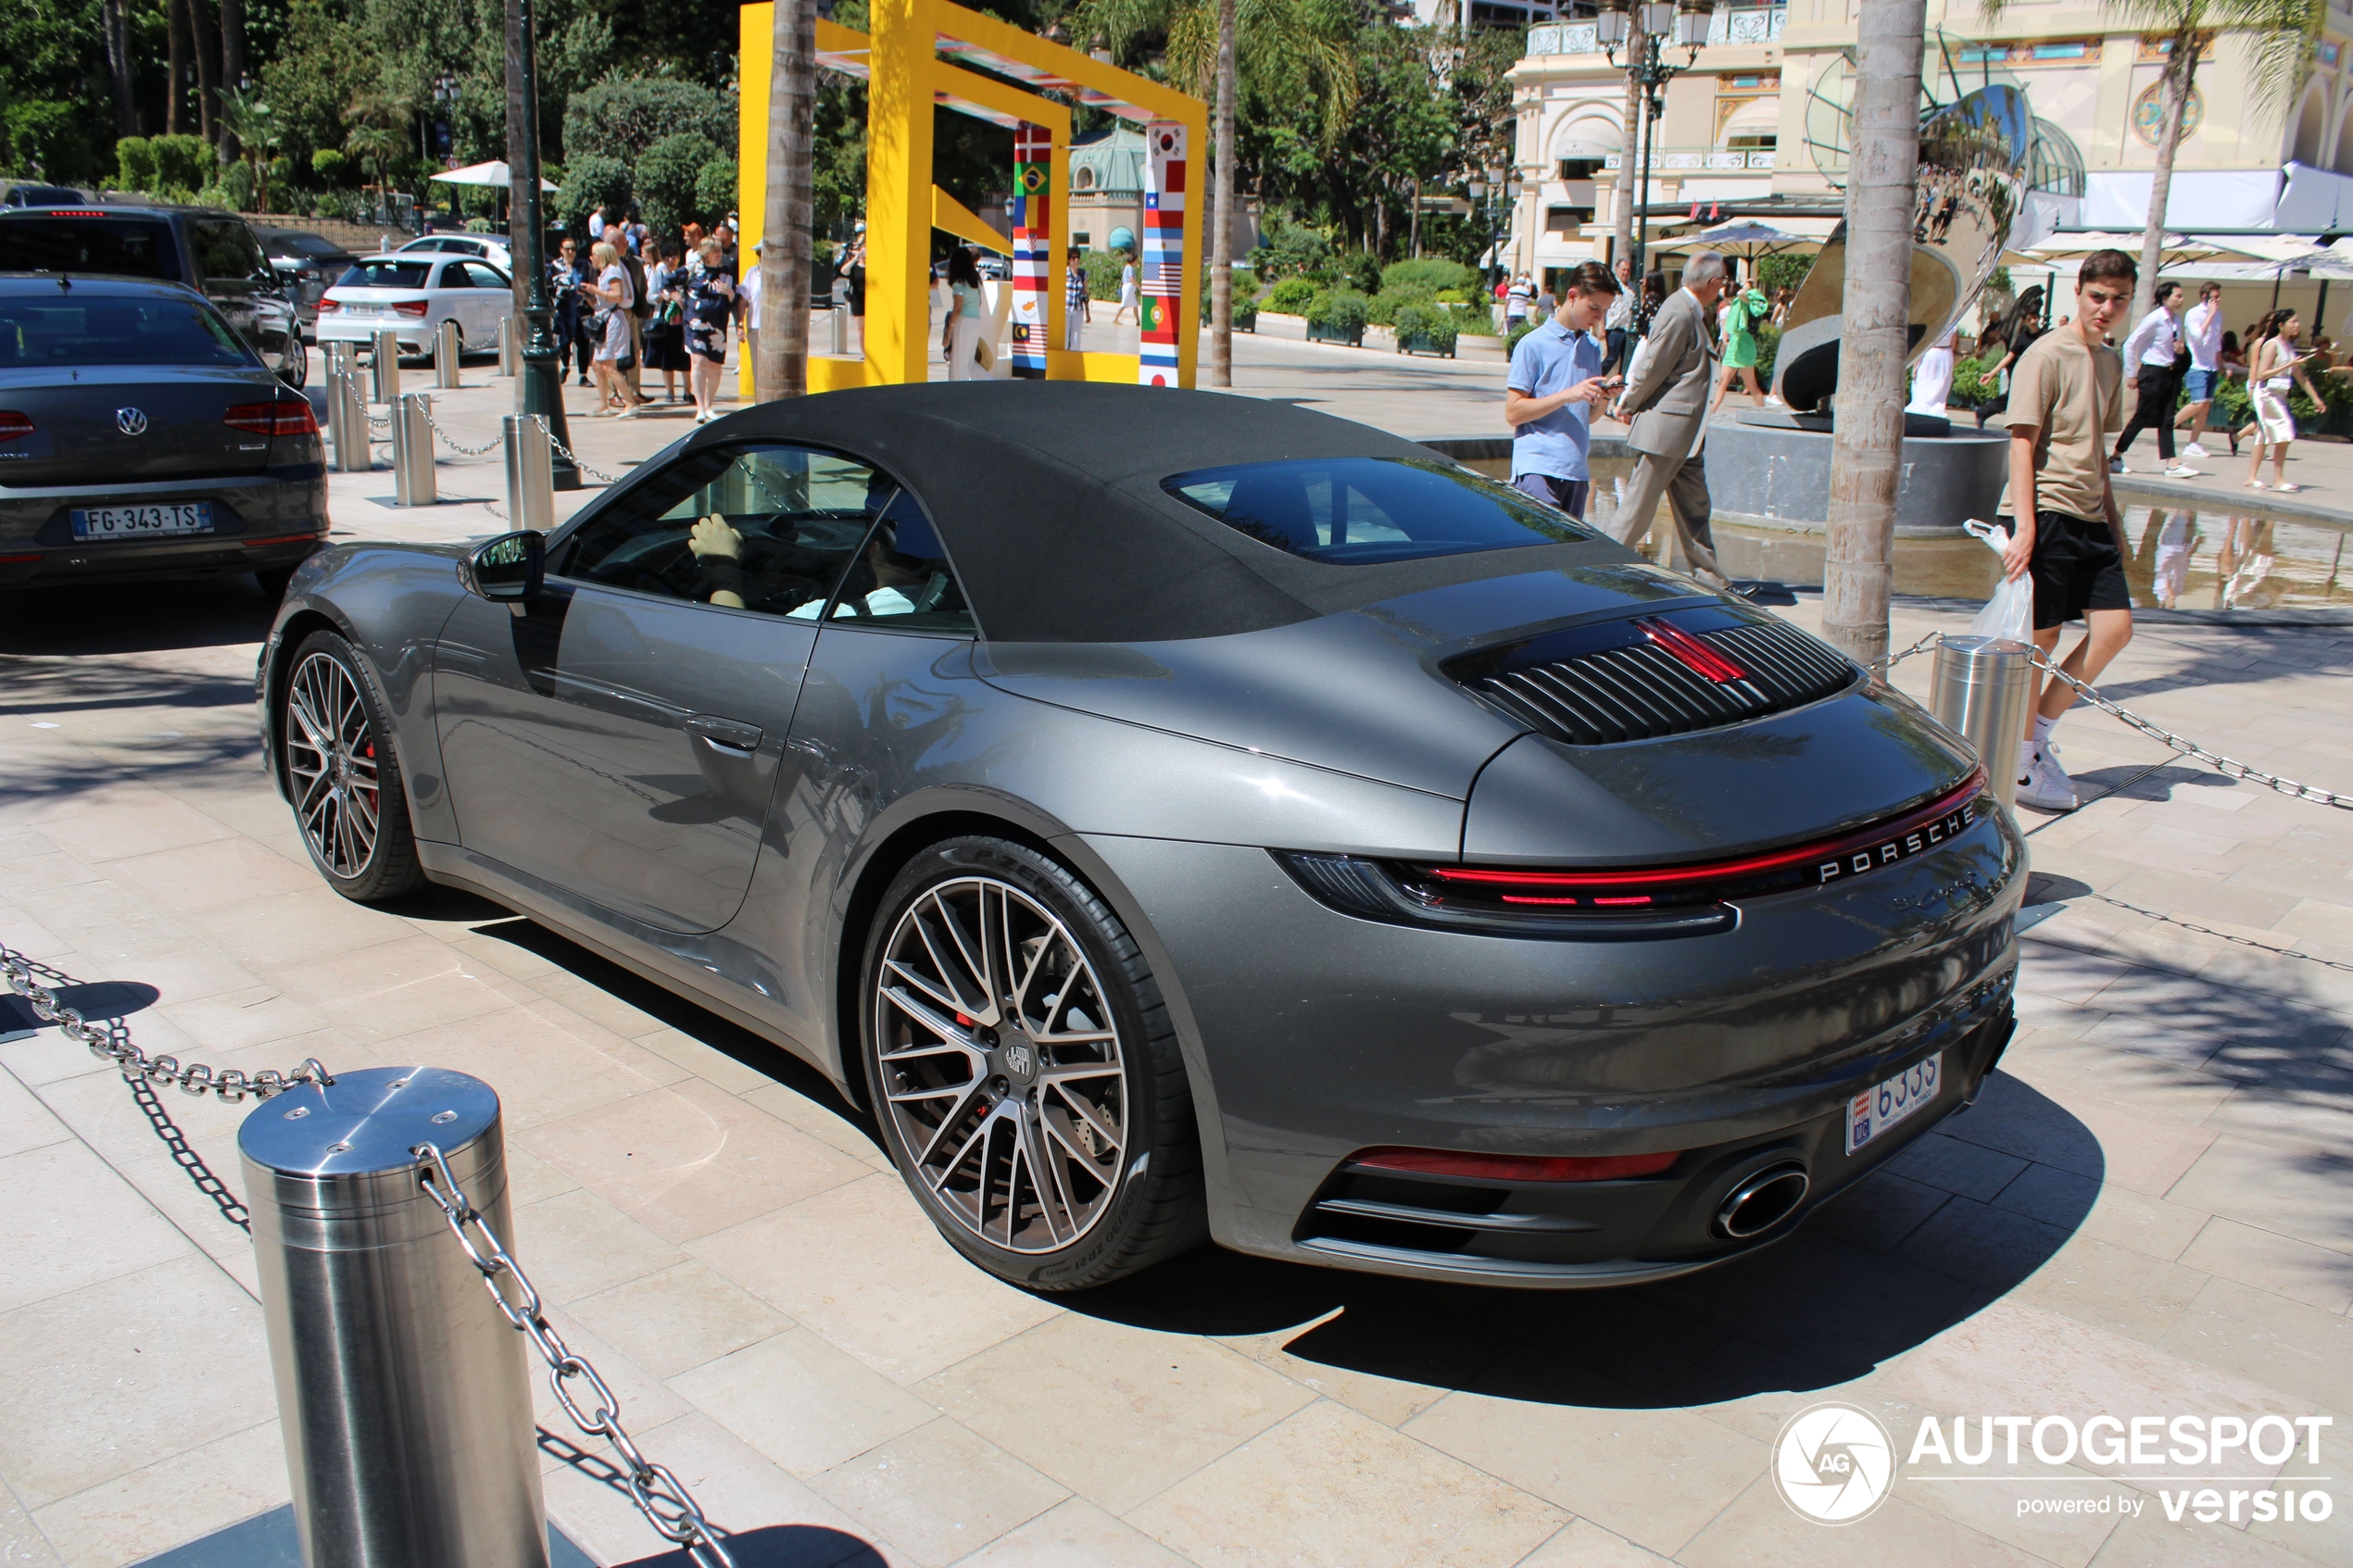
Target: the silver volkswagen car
pixel 1179 816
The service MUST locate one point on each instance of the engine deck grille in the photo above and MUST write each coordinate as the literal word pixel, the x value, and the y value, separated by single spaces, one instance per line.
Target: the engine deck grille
pixel 1632 687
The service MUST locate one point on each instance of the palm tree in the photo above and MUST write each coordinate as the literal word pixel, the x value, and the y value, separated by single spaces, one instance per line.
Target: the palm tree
pixel 1211 45
pixel 781 367
pixel 1867 441
pixel 2282 38
pixel 248 122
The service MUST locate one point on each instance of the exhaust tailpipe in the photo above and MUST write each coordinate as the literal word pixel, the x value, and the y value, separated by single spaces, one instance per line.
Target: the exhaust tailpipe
pixel 1762 1200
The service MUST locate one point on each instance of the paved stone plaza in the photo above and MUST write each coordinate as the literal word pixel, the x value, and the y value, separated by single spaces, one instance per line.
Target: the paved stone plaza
pixel 2147 1213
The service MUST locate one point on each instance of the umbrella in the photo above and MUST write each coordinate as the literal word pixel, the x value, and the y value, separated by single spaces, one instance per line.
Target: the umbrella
pixel 1743 237
pixel 495 172
pixel 2175 247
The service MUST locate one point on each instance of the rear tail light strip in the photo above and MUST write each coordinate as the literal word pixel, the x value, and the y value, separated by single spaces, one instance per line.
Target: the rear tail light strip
pixel 1602 904
pixel 282 418
pixel 412 307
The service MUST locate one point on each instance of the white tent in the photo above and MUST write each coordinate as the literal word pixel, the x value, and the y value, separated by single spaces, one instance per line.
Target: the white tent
pixel 494 173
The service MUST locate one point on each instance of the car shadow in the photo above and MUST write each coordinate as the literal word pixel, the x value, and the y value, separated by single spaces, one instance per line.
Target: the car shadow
pixel 220 611
pixel 1882 1268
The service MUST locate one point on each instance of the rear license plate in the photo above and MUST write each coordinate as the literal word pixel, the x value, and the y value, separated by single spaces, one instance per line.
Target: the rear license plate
pixel 143 522
pixel 1884 1105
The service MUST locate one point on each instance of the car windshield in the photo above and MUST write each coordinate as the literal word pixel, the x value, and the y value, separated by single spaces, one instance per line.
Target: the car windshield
pixel 385 275
pixel 137 247
pixel 1356 511
pixel 82 329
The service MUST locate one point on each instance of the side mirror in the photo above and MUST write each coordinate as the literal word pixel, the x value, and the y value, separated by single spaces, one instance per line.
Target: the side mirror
pixel 510 569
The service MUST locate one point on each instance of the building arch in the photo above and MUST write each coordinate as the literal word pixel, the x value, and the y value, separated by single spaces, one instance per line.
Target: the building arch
pixel 2311 128
pixel 1586 133
pixel 2340 158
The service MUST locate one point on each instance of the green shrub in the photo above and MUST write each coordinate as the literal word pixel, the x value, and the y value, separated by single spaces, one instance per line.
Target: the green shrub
pixel 1102 272
pixel 1473 318
pixel 135 159
pixel 666 179
pixel 715 189
pixel 331 167
pixel 1287 249
pixel 1432 323
pixel 1291 296
pixel 1972 382
pixel 1512 342
pixel 1769 345
pixel 1777 272
pixel 1245 311
pixel 1360 270
pixel 1429 275
pixel 623 117
pixel 1340 310
pixel 1386 305
pixel 2234 404
pixel 590 181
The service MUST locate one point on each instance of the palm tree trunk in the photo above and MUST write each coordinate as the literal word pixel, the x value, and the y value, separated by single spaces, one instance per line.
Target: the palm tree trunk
pixel 1866 447
pixel 208 45
pixel 2180 68
pixel 233 62
pixel 781 367
pixel 1622 207
pixel 1221 225
pixel 117 30
pixel 175 19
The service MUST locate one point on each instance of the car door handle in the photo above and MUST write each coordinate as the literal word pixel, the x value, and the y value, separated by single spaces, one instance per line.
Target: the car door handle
pixel 725 735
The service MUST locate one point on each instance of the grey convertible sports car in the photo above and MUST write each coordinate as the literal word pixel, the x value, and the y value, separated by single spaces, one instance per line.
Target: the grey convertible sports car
pixel 1178 815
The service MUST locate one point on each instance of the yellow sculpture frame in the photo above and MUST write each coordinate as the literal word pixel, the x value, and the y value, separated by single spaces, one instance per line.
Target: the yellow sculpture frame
pixel 906 76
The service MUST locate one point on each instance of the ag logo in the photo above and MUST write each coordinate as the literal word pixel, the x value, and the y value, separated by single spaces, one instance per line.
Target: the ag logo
pixel 1833 1463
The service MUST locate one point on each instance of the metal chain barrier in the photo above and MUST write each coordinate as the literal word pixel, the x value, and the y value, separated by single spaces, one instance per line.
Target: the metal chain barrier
pixel 574 459
pixel 448 441
pixel 2227 766
pixel 659 1495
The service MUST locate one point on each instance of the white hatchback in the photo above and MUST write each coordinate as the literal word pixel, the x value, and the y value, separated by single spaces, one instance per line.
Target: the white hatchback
pixel 412 295
pixel 482 248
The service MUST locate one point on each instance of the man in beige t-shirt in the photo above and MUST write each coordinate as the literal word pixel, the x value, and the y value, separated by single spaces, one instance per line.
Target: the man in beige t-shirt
pixel 2067 396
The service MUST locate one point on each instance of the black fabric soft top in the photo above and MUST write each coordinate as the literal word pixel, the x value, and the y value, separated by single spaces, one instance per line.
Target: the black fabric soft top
pixel 1048 498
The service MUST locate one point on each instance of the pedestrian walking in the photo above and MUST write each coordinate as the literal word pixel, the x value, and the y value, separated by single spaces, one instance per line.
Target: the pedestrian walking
pixel 666 328
pixel 572 347
pixel 2015 333
pixel 2274 368
pixel 710 306
pixel 2150 356
pixel 1667 394
pixel 2202 333
pixel 1741 315
pixel 1554 382
pixel 2066 394
pixel 854 269
pixel 747 308
pixel 960 333
pixel 1516 300
pixel 1127 293
pixel 1075 312
pixel 1932 378
pixel 1620 319
pixel 616 349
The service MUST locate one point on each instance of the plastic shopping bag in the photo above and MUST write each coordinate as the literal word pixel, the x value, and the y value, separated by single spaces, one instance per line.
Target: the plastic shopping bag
pixel 2010 612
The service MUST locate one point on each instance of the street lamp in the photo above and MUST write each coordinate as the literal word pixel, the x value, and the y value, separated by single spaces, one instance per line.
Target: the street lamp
pixel 1687 22
pixel 542 387
pixel 1495 188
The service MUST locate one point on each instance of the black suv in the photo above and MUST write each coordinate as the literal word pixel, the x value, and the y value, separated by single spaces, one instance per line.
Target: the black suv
pixel 213 252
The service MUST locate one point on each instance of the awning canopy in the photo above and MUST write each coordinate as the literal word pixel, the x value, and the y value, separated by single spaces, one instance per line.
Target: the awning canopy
pixel 1743 237
pixel 495 172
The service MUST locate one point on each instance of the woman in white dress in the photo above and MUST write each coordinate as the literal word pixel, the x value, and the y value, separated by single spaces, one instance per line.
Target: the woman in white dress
pixel 959 335
pixel 614 297
pixel 2275 368
pixel 1932 379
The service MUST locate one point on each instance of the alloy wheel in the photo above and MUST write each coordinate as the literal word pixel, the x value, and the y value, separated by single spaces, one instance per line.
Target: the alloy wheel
pixel 1002 1064
pixel 331 760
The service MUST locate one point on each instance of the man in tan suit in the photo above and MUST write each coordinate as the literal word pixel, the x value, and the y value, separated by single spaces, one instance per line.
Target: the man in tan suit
pixel 1666 402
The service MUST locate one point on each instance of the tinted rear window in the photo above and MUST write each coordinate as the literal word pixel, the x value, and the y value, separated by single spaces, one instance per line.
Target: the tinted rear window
pixel 385 275
pixel 1362 511
pixel 89 330
pixel 139 247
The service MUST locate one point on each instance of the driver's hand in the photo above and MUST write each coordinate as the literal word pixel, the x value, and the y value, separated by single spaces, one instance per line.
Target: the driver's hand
pixel 712 536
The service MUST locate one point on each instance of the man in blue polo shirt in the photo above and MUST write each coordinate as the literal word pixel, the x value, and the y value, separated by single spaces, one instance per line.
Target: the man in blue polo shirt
pixel 1549 395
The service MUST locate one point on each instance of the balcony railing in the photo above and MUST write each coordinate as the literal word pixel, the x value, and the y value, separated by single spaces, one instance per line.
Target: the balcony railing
pixel 1671 160
pixel 1737 24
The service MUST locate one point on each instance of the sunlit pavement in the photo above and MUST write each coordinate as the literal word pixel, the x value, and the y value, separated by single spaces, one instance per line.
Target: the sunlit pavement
pixel 2146 1215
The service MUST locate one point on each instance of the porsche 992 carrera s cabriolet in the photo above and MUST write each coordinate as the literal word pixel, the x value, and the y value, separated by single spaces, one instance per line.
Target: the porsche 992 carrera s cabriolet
pixel 1173 816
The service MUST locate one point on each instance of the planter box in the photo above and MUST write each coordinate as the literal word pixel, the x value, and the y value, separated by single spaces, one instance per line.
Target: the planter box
pixel 1353 337
pixel 1421 343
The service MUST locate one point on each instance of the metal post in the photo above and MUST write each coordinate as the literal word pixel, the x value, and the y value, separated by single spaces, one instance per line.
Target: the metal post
pixel 531 475
pixel 510 346
pixel 412 476
pixel 445 344
pixel 1978 689
pixel 384 380
pixel 838 341
pixel 402 1393
pixel 346 411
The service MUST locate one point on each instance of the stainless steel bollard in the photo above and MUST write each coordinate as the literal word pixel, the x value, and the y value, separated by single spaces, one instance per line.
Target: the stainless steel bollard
pixel 403 1393
pixel 412 477
pixel 446 349
pixel 384 367
pixel 837 335
pixel 531 472
pixel 1979 689
pixel 349 451
pixel 510 345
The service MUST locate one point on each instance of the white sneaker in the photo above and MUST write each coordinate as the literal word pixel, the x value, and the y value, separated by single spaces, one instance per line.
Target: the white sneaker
pixel 2116 465
pixel 2181 470
pixel 2045 785
pixel 2195 450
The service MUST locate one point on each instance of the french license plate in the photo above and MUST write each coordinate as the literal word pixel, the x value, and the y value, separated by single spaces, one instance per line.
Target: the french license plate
pixel 143 522
pixel 1884 1105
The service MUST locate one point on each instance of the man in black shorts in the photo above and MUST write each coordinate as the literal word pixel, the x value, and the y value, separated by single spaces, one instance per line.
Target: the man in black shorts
pixel 2067 396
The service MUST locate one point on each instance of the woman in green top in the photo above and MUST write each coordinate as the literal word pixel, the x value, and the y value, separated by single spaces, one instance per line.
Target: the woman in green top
pixel 1743 312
